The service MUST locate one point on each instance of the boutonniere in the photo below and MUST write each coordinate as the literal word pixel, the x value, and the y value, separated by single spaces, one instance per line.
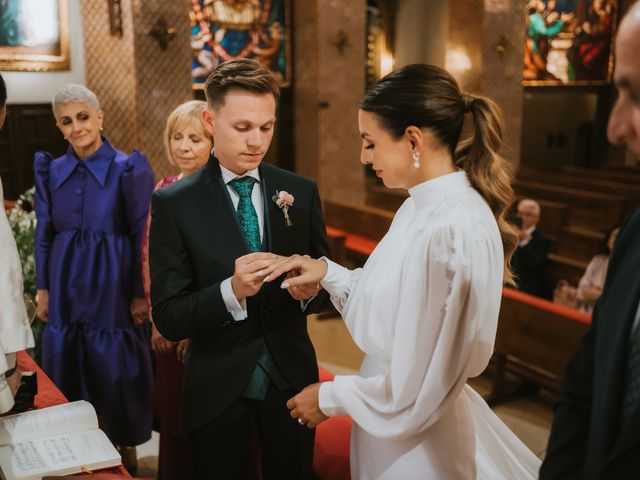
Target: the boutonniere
pixel 284 200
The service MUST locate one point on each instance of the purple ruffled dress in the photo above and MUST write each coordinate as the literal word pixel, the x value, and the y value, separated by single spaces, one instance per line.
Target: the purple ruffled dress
pixel 91 219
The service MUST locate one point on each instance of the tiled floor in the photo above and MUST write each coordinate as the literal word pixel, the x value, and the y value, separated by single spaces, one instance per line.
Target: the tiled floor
pixel 529 418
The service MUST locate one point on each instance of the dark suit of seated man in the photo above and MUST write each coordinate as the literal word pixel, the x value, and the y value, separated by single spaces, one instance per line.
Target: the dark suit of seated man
pixel 211 235
pixel 529 261
pixel 596 428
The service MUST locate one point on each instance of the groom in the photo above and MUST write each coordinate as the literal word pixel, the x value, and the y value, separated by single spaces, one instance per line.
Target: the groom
pixel 211 235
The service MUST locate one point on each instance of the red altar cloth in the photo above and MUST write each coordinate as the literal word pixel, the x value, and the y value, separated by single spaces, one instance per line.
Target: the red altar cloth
pixel 48 396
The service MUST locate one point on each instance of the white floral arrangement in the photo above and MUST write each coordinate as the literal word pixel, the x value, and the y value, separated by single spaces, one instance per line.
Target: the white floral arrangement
pixel 22 219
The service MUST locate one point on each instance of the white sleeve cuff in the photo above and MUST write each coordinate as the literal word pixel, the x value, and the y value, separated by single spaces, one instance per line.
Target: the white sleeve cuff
pixel 328 402
pixel 337 280
pixel 238 311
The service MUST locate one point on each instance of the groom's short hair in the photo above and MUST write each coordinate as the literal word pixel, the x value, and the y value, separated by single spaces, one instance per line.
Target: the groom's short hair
pixel 242 73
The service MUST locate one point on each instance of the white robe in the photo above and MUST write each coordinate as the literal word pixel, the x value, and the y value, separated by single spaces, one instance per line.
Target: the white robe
pixel 15 332
pixel 424 309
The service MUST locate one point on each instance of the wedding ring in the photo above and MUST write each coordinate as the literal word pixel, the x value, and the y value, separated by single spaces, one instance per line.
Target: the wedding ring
pixel 301 421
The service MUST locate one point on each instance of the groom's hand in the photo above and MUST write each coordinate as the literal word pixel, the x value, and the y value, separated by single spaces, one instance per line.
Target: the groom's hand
pixel 248 277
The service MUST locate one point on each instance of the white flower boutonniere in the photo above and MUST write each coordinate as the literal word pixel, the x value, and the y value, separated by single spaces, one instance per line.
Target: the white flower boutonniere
pixel 284 200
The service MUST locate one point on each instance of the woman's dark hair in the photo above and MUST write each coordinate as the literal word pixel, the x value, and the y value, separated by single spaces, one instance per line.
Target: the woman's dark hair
pixel 3 92
pixel 426 96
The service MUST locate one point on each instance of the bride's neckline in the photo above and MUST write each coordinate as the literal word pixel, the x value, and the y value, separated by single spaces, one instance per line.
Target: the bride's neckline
pixel 423 193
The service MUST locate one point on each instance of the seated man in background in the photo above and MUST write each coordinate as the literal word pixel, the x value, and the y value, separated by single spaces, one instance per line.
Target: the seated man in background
pixel 530 258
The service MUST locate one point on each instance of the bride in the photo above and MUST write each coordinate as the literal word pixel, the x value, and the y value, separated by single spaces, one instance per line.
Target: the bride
pixel 424 308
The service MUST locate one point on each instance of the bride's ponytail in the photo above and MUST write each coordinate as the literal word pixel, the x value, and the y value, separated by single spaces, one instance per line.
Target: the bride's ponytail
pixel 488 172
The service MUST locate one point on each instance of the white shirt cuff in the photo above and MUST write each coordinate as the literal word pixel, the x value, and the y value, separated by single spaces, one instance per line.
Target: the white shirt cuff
pixel 337 279
pixel 328 402
pixel 305 303
pixel 238 311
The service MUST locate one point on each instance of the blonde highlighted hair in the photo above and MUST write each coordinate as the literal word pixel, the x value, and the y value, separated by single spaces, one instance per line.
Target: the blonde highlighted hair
pixel 187 113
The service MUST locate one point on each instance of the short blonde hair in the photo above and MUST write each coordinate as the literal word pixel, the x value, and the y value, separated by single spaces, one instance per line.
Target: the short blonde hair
pixel 188 112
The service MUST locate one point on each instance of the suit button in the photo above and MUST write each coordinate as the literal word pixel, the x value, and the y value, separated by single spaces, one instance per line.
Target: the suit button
pixel 265 314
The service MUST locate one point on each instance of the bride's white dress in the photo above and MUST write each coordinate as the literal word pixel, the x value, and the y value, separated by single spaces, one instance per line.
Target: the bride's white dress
pixel 424 309
pixel 15 333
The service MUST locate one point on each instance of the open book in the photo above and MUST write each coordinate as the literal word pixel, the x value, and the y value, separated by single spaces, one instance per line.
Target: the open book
pixel 56 440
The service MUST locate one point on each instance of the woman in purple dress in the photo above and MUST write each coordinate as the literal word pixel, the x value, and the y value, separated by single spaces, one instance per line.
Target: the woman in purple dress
pixel 91 206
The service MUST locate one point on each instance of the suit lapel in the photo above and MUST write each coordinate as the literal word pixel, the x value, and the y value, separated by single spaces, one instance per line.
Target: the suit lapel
pixel 223 219
pixel 625 304
pixel 279 234
pixel 266 207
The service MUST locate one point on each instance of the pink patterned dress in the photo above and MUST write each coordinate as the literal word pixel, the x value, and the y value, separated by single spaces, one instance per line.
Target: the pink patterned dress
pixel 174 459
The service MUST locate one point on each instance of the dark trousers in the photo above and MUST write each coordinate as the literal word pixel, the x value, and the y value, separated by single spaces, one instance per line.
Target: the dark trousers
pixel 222 449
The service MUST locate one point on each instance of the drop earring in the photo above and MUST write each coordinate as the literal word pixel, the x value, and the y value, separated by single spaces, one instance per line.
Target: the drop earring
pixel 416 159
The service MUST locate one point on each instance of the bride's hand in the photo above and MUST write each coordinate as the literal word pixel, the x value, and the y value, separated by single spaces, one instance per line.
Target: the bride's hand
pixel 305 408
pixel 302 292
pixel 311 271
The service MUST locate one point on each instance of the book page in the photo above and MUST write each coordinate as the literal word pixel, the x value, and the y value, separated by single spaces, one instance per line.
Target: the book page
pixel 61 455
pixel 46 422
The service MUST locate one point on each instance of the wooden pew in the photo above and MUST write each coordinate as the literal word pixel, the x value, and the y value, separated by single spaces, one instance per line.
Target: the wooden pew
pixel 535 340
pixel 385 198
pixel 589 209
pixel 361 227
pixel 369 222
pixel 631 192
pixel 579 243
pixel 626 175
pixel 562 268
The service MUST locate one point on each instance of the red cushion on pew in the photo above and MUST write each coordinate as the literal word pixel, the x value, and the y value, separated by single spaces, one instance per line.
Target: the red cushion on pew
pixel 360 244
pixel 547 306
pixel 357 243
pixel 331 452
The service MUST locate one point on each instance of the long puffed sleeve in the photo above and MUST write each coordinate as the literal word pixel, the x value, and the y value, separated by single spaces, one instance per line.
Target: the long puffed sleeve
pixel 137 186
pixel 436 340
pixel 44 228
pixel 339 282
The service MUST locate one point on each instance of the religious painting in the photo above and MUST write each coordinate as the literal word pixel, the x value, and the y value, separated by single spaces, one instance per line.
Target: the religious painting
pixel 34 35
pixel 223 30
pixel 569 42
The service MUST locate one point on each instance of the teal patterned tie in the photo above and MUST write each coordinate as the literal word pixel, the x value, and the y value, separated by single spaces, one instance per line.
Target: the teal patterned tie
pixel 246 211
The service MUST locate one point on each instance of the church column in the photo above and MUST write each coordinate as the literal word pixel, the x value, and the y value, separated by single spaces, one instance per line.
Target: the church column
pixel 504 30
pixel 329 83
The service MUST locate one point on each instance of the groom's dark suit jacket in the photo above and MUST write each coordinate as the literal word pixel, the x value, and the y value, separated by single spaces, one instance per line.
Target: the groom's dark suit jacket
pixel 587 440
pixel 194 240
